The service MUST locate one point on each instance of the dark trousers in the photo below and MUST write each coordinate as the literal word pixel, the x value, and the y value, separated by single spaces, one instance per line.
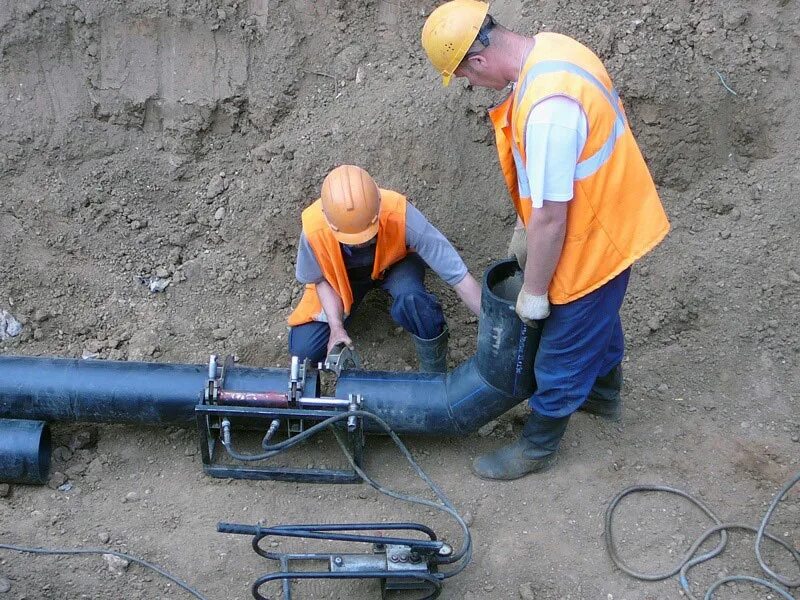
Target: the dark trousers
pixel 580 349
pixel 413 308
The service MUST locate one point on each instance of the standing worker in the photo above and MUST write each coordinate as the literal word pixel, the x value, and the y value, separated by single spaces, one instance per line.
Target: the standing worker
pixel 358 237
pixel 587 209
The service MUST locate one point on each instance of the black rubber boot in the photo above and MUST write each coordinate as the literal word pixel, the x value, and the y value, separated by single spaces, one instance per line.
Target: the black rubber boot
pixel 604 400
pixel 534 452
pixel 433 353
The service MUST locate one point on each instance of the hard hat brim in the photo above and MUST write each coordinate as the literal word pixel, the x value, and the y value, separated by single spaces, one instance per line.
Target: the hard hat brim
pixel 446 80
pixel 351 239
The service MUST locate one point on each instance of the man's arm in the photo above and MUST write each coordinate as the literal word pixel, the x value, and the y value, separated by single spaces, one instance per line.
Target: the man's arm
pixel 438 253
pixel 308 271
pixel 470 293
pixel 334 312
pixel 546 231
pixel 554 140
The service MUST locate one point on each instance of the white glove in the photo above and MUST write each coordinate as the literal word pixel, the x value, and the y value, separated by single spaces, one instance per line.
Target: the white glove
pixel 532 308
pixel 518 248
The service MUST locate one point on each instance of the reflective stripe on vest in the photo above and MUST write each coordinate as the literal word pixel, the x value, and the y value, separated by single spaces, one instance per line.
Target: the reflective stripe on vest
pixel 590 166
pixel 615 215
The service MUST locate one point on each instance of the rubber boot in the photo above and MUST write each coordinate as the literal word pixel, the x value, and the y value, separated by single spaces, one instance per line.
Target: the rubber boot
pixel 433 353
pixel 534 452
pixel 604 400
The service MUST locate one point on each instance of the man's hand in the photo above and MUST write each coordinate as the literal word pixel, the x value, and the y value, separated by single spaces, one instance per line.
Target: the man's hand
pixel 518 248
pixel 532 308
pixel 338 335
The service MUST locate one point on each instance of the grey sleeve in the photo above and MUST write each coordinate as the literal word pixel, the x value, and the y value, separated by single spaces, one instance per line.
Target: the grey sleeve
pixel 307 268
pixel 432 247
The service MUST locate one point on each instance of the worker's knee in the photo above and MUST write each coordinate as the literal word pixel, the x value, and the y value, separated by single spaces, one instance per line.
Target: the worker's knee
pixel 309 341
pixel 418 312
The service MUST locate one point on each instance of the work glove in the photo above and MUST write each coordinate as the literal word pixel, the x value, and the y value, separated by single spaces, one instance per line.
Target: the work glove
pixel 518 247
pixel 532 308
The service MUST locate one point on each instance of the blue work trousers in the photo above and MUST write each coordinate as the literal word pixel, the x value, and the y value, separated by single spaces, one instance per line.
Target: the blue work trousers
pixel 414 308
pixel 581 341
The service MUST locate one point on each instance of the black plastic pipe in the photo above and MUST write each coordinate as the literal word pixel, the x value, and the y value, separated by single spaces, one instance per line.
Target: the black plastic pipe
pixel 499 376
pixel 105 391
pixel 24 451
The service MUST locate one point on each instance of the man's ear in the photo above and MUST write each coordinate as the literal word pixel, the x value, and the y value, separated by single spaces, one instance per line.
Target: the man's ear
pixel 477 62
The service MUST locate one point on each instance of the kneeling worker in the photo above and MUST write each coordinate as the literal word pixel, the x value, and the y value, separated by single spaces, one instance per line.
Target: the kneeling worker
pixel 358 237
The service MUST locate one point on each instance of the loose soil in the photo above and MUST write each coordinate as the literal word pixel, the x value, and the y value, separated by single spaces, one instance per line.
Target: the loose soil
pixel 180 140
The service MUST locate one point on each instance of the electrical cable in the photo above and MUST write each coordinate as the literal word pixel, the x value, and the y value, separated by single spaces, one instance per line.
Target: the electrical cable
pixel 185 586
pixel 688 562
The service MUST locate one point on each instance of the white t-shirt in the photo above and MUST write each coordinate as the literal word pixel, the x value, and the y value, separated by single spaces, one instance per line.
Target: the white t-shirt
pixel 554 139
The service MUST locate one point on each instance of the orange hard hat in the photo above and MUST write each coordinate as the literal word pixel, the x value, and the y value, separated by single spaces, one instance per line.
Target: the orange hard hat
pixel 351 202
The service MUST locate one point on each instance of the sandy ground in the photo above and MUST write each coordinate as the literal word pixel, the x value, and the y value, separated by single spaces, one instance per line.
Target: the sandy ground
pixel 180 140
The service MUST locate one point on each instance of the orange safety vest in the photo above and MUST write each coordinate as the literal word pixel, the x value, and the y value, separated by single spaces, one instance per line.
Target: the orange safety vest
pixel 615 216
pixel 390 248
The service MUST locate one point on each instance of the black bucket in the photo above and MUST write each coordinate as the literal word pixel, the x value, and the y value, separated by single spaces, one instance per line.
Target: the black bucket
pixel 24 451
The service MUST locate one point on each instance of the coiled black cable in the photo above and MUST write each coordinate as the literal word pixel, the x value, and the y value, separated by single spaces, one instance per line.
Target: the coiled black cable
pixel 688 562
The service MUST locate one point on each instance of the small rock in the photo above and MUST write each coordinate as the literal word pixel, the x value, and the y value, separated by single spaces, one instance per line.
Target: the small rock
pixel 85 438
pixel 115 564
pixel 62 453
pixel 104 537
pixel 65 488
pixel 216 186
pixel 734 18
pixel 5 490
pixel 219 214
pixel 488 429
pixel 95 467
pixel 57 479
pixel 9 326
pixel 87 355
pixel 221 333
pixel 40 315
pixel 221 14
pixel 724 234
pixel 162 272
pixel 158 285
pixel 131 497
pixel 795 439
pixel 623 48
pixel 654 323
pixel 663 388
pixel 94 346
pixel 468 518
pixel 360 74
pixel 526 591
pixel 5 585
pixel 142 345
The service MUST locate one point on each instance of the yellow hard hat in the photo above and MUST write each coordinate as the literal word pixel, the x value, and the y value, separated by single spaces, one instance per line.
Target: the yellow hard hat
pixel 449 31
pixel 351 202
